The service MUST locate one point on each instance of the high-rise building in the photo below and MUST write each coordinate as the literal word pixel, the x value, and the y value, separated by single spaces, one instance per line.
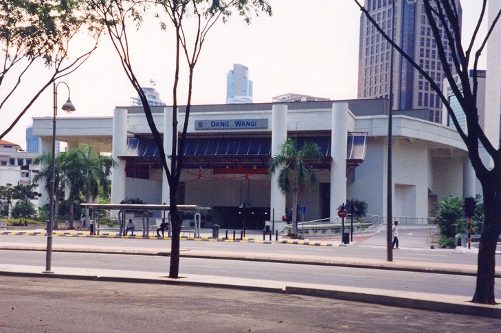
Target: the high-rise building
pixel 480 75
pixel 238 85
pixel 33 144
pixel 493 85
pixel 291 97
pixel 152 96
pixel 412 32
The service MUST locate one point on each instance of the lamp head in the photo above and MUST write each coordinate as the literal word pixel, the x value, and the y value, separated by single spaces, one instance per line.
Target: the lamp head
pixel 68 106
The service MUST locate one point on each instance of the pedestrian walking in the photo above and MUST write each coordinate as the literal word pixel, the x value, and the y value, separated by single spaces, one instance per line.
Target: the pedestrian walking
pixel 394 232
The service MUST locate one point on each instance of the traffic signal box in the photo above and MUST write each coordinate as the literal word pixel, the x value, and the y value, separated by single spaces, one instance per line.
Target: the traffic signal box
pixel 469 207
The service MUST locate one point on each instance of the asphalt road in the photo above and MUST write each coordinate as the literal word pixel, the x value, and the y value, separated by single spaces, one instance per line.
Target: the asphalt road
pixel 339 276
pixel 54 305
pixel 370 249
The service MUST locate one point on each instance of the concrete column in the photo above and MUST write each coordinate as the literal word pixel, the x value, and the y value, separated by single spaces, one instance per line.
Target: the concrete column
pixel 278 137
pixel 468 179
pixel 168 129
pixel 119 148
pixel 339 142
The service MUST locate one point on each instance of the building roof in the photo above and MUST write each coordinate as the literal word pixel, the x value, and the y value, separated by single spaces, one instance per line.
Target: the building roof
pixel 4 142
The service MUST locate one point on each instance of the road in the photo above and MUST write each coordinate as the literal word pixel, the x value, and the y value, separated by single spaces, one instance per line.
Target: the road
pixel 54 305
pixel 338 276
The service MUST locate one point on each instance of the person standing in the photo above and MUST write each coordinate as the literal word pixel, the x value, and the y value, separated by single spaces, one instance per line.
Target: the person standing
pixel 394 232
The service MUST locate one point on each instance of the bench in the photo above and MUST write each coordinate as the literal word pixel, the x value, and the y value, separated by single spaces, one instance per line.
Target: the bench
pixel 185 231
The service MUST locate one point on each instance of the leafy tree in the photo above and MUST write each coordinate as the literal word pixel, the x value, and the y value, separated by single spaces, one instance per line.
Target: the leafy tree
pixel 21 193
pixel 191 21
pixel 445 25
pixel 38 33
pixel 295 171
pixel 449 216
pixel 359 207
pixel 23 209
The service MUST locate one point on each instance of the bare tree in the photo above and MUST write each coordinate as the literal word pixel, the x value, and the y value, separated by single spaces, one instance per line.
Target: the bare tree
pixel 444 19
pixel 36 33
pixel 191 21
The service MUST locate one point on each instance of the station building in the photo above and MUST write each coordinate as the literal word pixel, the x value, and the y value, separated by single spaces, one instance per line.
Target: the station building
pixel 228 147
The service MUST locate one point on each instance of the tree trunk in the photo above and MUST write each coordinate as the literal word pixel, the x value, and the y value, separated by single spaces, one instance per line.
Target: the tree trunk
pixel 55 226
pixel 72 208
pixel 294 212
pixel 486 268
pixel 176 241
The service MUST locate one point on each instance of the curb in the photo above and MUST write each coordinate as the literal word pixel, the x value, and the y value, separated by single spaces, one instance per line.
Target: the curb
pixel 465 308
pixel 468 308
pixel 206 239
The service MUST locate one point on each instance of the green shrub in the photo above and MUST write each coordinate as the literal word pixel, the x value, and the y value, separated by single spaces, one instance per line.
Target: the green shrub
pixel 449 216
pixel 23 209
pixel 360 207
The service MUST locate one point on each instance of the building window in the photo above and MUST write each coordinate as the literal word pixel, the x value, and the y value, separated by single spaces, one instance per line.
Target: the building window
pixel 12 161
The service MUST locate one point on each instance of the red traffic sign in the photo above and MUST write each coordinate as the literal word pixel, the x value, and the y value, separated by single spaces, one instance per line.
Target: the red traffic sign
pixel 342 213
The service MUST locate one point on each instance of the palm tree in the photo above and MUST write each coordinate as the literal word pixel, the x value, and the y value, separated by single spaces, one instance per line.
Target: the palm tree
pixel 81 171
pixel 71 168
pixel 45 173
pixel 94 172
pixel 294 170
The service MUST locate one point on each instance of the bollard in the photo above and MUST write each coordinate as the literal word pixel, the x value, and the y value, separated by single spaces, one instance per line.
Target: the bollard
pixel 226 234
pixel 244 231
pixel 264 235
pixel 241 234
pixel 233 234
pixel 270 235
pixel 276 235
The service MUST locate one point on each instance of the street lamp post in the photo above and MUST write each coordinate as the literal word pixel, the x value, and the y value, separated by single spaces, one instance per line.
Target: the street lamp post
pixel 69 107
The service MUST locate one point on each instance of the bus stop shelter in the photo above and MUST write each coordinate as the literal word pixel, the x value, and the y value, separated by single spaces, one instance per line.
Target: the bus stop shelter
pixel 143 210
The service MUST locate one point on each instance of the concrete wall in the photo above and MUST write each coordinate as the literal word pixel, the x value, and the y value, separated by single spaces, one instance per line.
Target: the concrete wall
pixel 410 175
pixel 370 178
pixel 213 190
pixel 147 190
pixel 447 177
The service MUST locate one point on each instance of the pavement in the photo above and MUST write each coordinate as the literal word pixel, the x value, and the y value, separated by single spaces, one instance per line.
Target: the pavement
pixel 422 301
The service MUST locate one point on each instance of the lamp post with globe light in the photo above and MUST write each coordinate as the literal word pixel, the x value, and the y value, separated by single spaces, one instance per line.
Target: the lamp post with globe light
pixel 68 107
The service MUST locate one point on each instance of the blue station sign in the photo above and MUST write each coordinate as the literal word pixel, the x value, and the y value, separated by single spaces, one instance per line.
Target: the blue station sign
pixel 231 124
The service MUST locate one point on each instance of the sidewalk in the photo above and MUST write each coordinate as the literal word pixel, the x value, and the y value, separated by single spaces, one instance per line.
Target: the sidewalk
pixel 433 302
pixel 421 301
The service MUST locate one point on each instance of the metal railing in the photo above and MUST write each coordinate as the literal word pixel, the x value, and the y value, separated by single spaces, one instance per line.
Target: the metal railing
pixel 366 224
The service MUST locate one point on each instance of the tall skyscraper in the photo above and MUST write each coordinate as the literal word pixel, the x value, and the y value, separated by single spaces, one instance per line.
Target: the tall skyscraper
pixel 480 75
pixel 414 35
pixel 493 89
pixel 33 144
pixel 238 85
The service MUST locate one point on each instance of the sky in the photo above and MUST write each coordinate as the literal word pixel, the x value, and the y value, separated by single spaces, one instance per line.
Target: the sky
pixel 307 47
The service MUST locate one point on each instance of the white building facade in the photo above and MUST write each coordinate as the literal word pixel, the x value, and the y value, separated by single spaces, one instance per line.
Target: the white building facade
pixel 16 166
pixel 228 149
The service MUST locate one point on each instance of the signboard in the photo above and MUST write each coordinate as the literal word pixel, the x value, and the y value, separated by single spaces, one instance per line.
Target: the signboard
pixel 231 124
pixel 342 212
